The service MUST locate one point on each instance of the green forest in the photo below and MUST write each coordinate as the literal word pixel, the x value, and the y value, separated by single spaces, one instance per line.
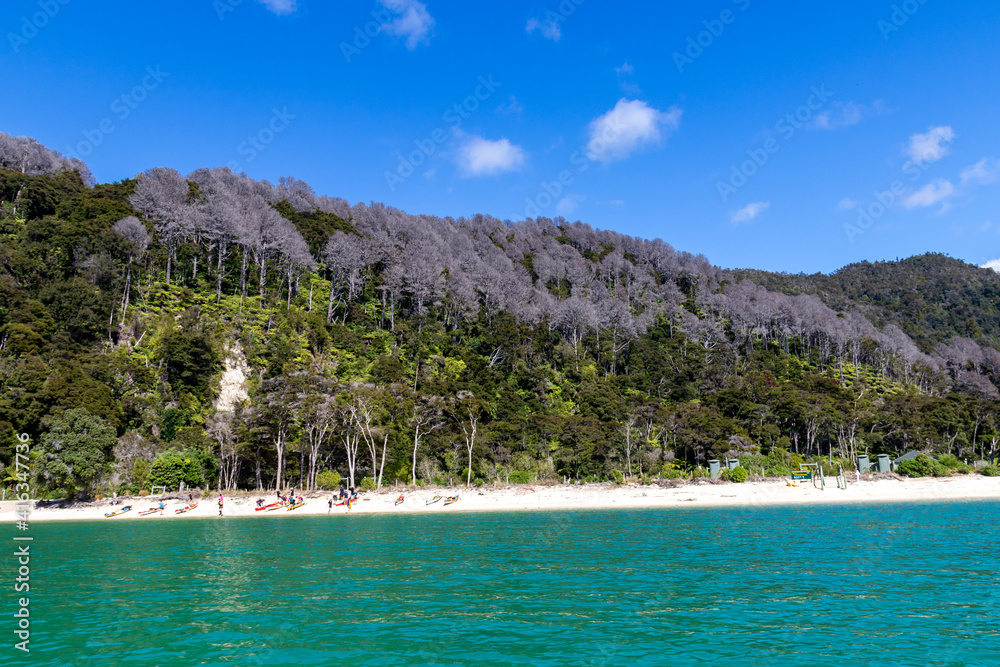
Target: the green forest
pixel 227 333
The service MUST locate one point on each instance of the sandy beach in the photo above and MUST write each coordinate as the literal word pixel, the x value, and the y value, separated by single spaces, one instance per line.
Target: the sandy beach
pixel 545 497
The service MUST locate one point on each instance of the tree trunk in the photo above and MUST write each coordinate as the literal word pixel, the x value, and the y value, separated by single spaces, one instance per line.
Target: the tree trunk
pixel 170 255
pixel 381 468
pixel 416 443
pixel 218 274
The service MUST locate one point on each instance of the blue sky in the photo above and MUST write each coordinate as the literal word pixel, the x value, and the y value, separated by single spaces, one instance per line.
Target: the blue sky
pixel 762 136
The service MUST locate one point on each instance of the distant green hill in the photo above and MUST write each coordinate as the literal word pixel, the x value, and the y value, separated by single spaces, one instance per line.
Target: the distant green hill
pixel 931 297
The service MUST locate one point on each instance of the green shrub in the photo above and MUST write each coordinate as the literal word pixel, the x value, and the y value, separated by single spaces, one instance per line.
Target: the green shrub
pixel 990 471
pixel 739 474
pixel 922 466
pixel 140 473
pixel 520 477
pixel 618 476
pixel 952 462
pixel 672 471
pixel 479 481
pixel 367 484
pixel 774 464
pixel 328 479
pixel 172 467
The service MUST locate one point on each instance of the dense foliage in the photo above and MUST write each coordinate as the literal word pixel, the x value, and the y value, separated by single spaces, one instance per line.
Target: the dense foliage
pixel 233 333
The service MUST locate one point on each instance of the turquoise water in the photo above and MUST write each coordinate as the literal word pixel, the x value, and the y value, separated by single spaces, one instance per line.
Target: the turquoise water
pixel 908 584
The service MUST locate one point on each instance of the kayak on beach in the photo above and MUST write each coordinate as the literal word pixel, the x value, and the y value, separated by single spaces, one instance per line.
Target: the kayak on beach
pixel 272 506
pixel 186 509
pixel 433 500
pixel 350 501
pixel 118 512
pixel 400 499
pixel 451 499
pixel 149 511
pixel 296 506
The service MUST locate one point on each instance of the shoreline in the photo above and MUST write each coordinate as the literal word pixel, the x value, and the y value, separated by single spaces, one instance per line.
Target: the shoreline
pixel 541 497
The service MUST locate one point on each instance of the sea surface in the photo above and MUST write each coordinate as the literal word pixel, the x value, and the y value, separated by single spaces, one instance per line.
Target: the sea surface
pixel 894 584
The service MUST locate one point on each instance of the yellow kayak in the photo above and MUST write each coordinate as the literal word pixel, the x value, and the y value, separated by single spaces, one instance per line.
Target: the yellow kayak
pixel 118 512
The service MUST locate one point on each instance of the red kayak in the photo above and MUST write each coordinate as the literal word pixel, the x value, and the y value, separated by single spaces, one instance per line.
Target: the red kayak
pixel 272 506
pixel 347 501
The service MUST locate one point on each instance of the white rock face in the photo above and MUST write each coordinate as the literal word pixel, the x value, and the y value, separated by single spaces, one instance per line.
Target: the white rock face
pixel 233 387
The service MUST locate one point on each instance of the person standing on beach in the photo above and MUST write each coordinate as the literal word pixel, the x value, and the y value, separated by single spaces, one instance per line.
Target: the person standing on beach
pixel 329 505
pixel 161 508
pixel 220 504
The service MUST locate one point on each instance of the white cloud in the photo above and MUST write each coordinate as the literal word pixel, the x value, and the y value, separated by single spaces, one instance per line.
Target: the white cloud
pixel 281 7
pixel 930 195
pixel 628 87
pixel 568 205
pixel 482 157
pixel 843 114
pixel 414 22
pixel 749 212
pixel 513 106
pixel 931 146
pixel 983 172
pixel 549 29
pixel 848 204
pixel 624 129
pixel 992 264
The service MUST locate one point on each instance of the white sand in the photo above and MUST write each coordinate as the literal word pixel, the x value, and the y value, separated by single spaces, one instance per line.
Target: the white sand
pixel 555 497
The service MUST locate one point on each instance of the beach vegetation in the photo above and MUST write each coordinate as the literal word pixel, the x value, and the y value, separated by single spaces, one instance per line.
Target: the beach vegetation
pixel 76 448
pixel 520 477
pixel 328 479
pixel 953 463
pixel 193 467
pixel 922 466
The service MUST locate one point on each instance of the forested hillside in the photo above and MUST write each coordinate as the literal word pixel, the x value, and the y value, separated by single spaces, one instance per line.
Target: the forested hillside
pixel 232 333
pixel 931 297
